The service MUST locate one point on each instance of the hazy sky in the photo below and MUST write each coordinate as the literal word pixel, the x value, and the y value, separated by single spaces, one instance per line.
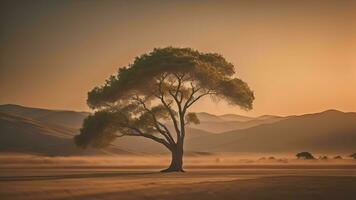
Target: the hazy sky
pixel 297 56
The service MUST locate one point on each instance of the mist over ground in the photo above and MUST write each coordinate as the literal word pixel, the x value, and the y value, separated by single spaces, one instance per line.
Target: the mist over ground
pixel 160 161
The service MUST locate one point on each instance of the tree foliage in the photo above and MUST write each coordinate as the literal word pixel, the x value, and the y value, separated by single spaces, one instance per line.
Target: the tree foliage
pixel 158 87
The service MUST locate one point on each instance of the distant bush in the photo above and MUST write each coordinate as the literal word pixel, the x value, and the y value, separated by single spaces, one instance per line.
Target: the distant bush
pixel 262 158
pixel 323 158
pixel 337 157
pixel 305 155
pixel 353 155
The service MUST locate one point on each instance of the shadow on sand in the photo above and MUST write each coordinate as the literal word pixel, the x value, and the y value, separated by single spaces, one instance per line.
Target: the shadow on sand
pixel 75 176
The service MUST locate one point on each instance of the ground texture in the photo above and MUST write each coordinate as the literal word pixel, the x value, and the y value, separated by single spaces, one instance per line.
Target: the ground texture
pixel 286 182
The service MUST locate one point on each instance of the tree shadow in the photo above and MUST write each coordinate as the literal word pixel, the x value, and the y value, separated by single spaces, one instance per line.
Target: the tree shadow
pixel 75 176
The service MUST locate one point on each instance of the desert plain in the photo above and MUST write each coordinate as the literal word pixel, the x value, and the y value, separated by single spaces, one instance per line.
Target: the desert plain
pixel 206 177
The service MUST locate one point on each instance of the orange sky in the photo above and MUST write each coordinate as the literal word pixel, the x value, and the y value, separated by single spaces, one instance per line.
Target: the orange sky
pixel 297 56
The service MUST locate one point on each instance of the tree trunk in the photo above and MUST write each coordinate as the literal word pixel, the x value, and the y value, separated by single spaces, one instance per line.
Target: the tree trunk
pixel 176 161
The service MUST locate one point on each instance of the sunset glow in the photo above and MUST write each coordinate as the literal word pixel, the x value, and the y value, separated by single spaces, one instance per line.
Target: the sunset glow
pixel 297 56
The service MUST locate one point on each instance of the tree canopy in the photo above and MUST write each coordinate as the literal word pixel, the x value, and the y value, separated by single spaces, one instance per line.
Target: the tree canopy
pixel 157 87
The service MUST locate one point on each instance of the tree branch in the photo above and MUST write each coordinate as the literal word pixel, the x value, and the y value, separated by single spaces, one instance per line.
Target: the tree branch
pixel 168 108
pixel 181 113
pixel 157 124
pixel 196 99
pixel 152 137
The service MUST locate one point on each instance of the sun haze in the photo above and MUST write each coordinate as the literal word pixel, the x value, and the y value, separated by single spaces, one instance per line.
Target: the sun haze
pixel 297 57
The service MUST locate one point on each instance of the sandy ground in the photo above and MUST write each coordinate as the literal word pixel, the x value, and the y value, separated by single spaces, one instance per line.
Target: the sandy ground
pixel 96 181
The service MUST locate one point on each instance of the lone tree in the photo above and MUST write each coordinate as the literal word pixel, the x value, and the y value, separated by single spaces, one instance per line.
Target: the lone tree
pixel 157 88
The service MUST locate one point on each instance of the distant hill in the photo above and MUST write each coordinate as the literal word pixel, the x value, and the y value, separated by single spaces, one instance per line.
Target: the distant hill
pixel 329 131
pixel 44 131
pixel 19 134
pixel 65 118
pixel 233 117
pixel 229 122
pixel 207 117
pixel 50 132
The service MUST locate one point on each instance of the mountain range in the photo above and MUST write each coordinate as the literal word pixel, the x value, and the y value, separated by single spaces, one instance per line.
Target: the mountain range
pixel 50 132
